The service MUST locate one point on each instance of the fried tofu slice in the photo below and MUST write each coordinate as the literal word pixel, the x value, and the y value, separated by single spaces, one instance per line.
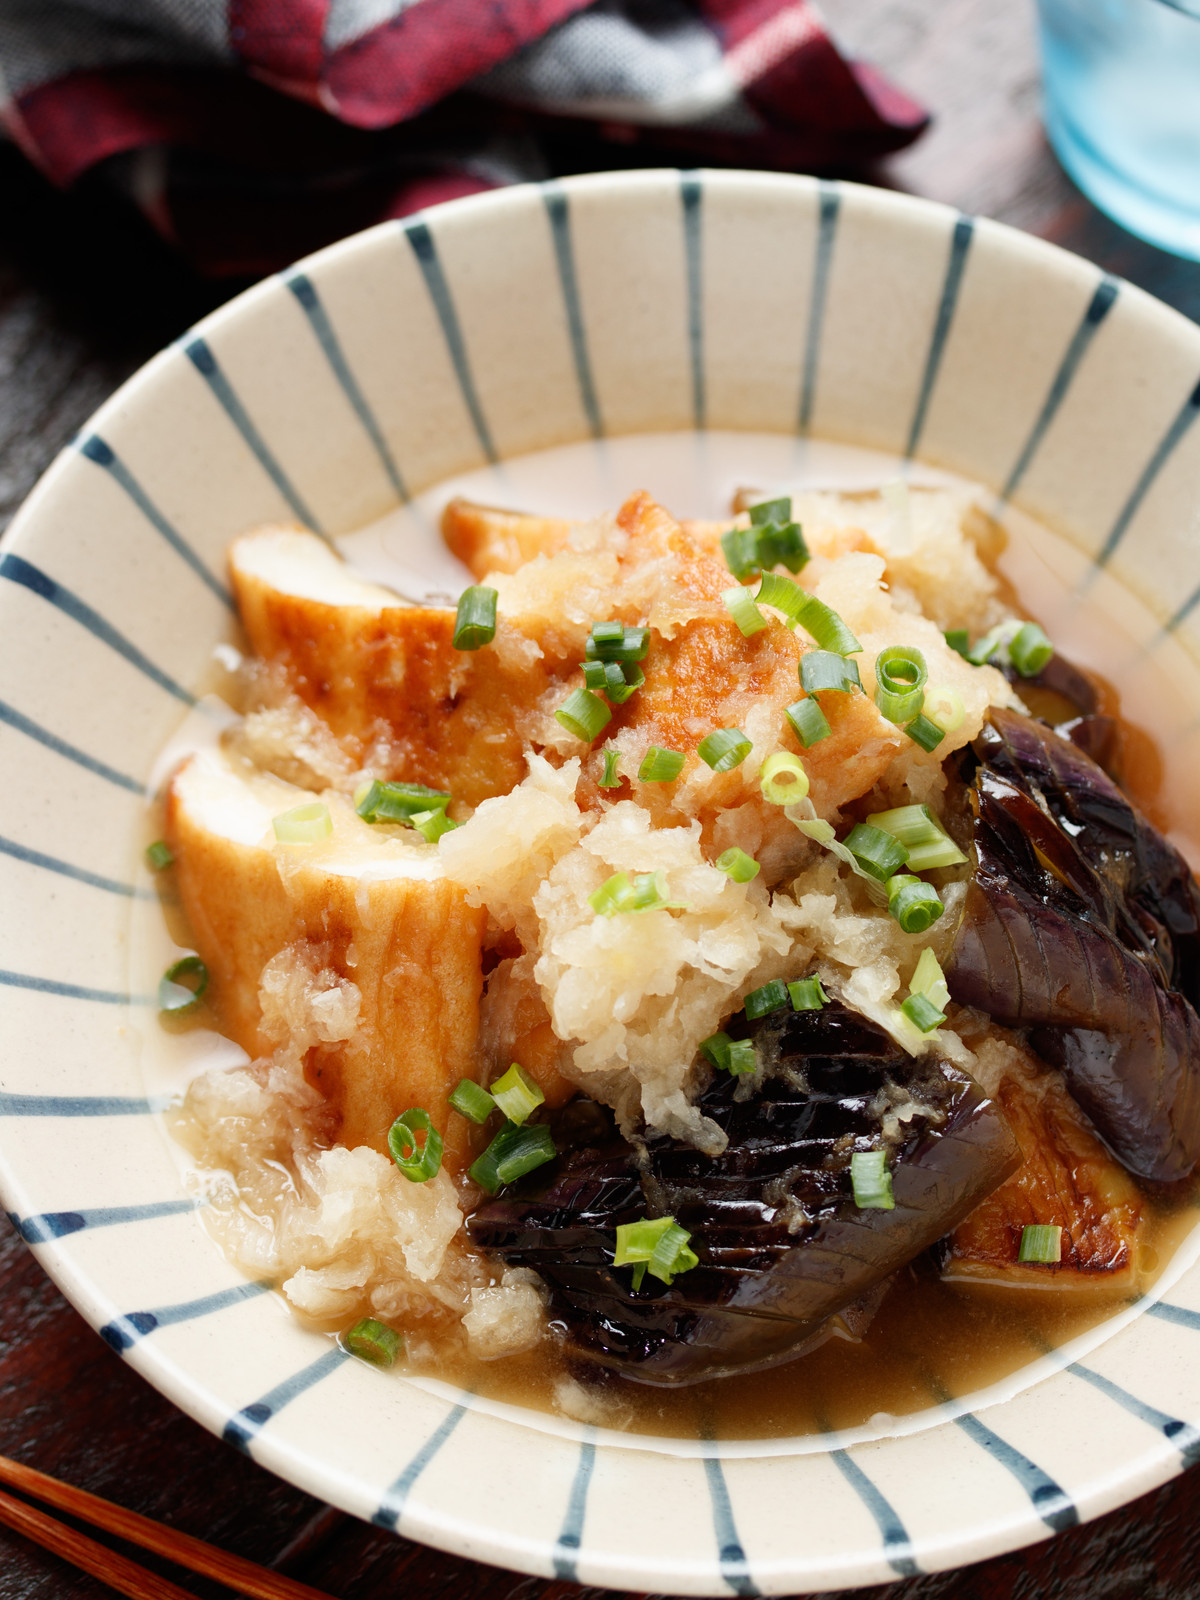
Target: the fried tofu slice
pixel 1067 1178
pixel 488 539
pixel 373 904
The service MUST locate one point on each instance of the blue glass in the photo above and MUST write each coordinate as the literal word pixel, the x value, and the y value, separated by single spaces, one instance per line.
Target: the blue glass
pixel 1122 102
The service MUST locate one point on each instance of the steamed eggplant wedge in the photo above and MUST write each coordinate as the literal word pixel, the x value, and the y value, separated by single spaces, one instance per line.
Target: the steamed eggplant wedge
pixel 1082 924
pixel 782 1244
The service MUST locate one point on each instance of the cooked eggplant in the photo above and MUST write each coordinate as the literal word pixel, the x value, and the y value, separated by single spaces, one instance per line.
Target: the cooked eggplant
pixel 1082 923
pixel 782 1246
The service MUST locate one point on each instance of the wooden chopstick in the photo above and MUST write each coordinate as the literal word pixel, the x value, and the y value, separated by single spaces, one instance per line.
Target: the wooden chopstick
pixel 117 1570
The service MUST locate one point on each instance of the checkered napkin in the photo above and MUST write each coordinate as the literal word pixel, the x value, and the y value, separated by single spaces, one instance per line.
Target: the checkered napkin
pixel 252 131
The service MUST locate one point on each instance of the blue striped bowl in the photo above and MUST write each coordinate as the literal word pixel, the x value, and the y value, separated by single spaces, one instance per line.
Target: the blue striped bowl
pixel 499 325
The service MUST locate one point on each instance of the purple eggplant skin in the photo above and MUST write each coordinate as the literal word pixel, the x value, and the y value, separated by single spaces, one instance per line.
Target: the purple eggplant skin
pixel 1082 924
pixel 763 1291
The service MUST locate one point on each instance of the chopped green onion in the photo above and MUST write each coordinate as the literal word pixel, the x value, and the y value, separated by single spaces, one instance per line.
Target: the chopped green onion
pixel 825 669
pixel 914 905
pixel 472 1101
pixel 783 779
pixel 397 802
pixel 373 1341
pixel 943 707
pixel 925 733
pixel 159 855
pixel 783 594
pixel 878 852
pixel 306 824
pixel 660 766
pixel 772 996
pixel 584 714
pixel 659 1246
pixel 418 1158
pixel 1030 650
pixel 613 641
pixel 960 640
pixel 824 625
pixel 724 749
pixel 431 825
pixel 644 891
pixel 922 1013
pixel 716 1048
pixel 1042 1242
pixel 512 1153
pixel 766 512
pixel 742 554
pixel 612 678
pixel 611 778
pixel 516 1094
pixel 780 540
pixel 807 994
pixel 738 865
pixel 808 722
pixel 900 677
pixel 921 834
pixel 740 605
pixel 176 998
pixel 595 673
pixel 735 1056
pixel 475 620
pixel 929 979
pixel 871 1181
pixel 992 643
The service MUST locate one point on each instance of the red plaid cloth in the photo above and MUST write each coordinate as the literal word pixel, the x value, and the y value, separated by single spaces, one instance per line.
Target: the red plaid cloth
pixel 253 131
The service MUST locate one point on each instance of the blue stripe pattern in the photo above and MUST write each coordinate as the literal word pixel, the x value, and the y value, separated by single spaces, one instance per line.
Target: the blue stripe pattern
pixel 964 230
pixel 33 730
pixel 17 570
pixel 1183 1435
pixel 731 1555
pixel 830 204
pixel 566 1549
pixel 58 1224
pixel 69 991
pixel 94 880
pixel 691 193
pixel 103 455
pixel 1179 1315
pixel 200 355
pixel 558 210
pixel 79 1105
pixel 423 247
pixel 304 291
pixel 1186 415
pixel 1098 308
pixel 391 1508
pixel 250 1420
pixel 897 1546
pixel 1051 1502
pixel 123 1332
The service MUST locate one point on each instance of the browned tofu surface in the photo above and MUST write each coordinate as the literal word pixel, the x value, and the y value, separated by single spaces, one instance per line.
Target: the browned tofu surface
pixel 487 539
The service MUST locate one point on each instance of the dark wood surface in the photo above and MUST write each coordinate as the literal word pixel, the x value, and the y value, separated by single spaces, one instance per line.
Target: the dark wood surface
pixel 85 297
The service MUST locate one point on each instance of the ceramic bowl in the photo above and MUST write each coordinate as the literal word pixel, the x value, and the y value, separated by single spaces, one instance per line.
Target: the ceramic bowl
pixel 494 326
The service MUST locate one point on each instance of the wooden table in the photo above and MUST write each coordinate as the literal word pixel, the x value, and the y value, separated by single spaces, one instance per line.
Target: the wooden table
pixel 85 298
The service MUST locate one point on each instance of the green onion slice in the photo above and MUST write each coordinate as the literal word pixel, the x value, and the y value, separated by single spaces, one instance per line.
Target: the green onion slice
pixel 632 679
pixel 914 905
pixel 924 732
pixel 900 678
pixel 724 749
pixel 1042 1242
pixel 783 595
pixel 878 853
pixel 772 996
pixel 943 707
pixel 472 1101
pixel 643 891
pixel 584 714
pixel 737 865
pixel 806 994
pixel 658 1246
pixel 613 641
pixel 397 802
pixel 415 1145
pixel 804 816
pixel 611 778
pixel 1030 650
pixel 516 1094
pixel 824 625
pixel 922 1013
pixel 871 1181
pixel 808 722
pixel 822 670
pixel 660 766
pixel 373 1341
pixel 159 855
pixel 716 1048
pixel 741 551
pixel 306 824
pixel 959 640
pixel 766 512
pixel 929 979
pixel 176 997
pixel 512 1153
pixel 783 779
pixel 735 1056
pixel 475 620
pixel 920 833
pixel 431 825
pixel 740 605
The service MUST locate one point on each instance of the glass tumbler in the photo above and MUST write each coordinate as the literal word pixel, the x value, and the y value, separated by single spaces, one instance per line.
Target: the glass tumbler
pixel 1121 81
